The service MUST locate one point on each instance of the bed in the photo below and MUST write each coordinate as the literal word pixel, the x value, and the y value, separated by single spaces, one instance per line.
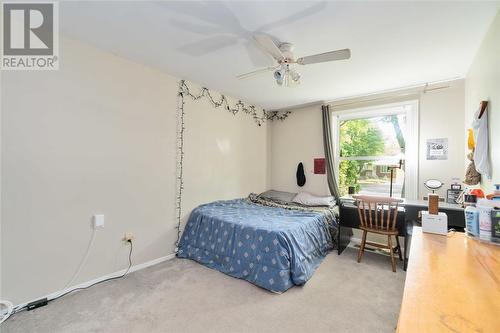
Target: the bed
pixel 271 243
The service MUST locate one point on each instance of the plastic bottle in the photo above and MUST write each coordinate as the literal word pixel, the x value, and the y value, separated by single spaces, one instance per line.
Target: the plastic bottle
pixel 484 208
pixel 472 220
pixel 495 225
pixel 496 193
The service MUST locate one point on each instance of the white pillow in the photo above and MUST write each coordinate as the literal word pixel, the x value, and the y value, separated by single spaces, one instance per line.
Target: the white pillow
pixel 308 199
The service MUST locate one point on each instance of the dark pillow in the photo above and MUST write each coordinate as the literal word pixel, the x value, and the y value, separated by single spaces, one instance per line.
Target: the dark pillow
pixel 278 196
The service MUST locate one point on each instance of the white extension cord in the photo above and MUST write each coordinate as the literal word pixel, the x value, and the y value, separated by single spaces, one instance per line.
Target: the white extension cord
pixel 7 309
pixel 84 260
pixel 5 314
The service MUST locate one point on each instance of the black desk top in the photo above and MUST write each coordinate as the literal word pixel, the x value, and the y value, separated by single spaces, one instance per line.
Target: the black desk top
pixel 425 203
pixel 416 203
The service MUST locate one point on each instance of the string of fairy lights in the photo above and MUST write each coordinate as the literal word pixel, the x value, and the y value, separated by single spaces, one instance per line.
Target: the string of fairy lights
pixel 222 101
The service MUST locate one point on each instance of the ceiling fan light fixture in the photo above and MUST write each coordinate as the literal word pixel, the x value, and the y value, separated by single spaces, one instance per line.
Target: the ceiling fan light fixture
pixel 279 76
pixel 295 76
pixel 282 52
pixel 287 76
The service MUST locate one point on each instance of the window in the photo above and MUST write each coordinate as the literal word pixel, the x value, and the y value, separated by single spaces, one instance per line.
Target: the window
pixel 376 150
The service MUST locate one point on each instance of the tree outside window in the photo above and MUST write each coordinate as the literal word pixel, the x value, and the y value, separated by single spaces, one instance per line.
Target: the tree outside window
pixel 364 146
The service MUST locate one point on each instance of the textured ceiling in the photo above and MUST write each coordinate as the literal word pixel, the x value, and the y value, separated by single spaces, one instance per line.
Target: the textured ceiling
pixel 393 44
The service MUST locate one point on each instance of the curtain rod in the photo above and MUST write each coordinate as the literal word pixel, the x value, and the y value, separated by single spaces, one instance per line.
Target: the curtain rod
pixel 394 93
pixel 391 96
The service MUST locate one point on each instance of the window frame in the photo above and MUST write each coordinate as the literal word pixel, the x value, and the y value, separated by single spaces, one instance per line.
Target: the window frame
pixel 412 139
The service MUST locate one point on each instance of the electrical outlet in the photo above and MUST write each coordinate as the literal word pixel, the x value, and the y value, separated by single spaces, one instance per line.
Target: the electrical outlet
pixel 128 236
pixel 98 221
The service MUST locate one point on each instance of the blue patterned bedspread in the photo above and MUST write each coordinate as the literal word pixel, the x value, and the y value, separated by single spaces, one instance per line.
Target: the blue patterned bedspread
pixel 274 248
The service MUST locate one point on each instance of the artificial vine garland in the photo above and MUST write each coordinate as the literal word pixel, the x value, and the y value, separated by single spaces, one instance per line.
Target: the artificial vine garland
pixel 183 92
pixel 239 106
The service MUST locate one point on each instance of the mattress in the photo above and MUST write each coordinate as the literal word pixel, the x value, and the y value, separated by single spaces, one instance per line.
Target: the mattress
pixel 272 246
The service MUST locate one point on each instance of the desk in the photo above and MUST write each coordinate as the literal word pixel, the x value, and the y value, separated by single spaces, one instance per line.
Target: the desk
pixel 407 218
pixel 455 212
pixel 452 285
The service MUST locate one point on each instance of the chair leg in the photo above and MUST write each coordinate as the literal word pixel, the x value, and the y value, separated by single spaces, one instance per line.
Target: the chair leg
pixel 400 252
pixel 391 249
pixel 362 246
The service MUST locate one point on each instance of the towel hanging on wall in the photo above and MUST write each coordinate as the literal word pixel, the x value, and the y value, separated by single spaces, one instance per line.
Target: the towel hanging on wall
pixel 301 177
pixel 480 128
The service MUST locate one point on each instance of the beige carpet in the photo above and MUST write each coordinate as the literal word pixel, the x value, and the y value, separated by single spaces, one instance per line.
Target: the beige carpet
pixel 183 296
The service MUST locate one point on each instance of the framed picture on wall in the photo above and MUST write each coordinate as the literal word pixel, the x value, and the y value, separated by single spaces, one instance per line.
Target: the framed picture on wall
pixel 319 166
pixel 437 149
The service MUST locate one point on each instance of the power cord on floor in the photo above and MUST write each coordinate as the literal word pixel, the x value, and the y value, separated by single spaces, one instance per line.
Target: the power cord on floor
pixel 106 280
pixel 11 310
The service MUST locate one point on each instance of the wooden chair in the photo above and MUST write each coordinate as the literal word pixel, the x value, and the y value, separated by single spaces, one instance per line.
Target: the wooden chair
pixel 371 211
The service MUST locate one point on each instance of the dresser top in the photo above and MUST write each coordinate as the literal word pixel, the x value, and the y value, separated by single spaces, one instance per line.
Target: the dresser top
pixel 452 285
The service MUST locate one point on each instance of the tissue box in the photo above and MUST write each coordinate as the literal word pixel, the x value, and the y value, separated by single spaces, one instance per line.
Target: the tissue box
pixel 436 224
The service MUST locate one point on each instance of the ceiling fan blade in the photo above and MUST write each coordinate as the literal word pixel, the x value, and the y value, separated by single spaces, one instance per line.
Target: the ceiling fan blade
pixel 208 45
pixel 268 45
pixel 317 7
pixel 324 57
pixel 256 72
pixel 256 56
pixel 200 29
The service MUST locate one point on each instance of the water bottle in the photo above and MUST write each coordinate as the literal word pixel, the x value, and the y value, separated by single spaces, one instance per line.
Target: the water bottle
pixel 471 215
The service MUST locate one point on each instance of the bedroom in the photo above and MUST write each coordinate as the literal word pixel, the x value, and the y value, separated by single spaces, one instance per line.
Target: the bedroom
pixel 114 155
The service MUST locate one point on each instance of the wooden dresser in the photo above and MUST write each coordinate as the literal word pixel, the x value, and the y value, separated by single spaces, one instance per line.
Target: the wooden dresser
pixel 452 285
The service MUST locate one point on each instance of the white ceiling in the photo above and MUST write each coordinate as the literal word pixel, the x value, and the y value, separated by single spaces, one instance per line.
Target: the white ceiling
pixel 393 44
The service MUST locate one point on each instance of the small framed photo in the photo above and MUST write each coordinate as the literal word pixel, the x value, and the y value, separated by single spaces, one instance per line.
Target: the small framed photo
pixel 452 196
pixel 437 149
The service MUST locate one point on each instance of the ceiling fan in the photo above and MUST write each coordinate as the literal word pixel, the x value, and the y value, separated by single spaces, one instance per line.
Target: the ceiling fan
pixel 282 52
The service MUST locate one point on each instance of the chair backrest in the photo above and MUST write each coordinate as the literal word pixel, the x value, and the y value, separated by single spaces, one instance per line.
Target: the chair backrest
pixel 377 212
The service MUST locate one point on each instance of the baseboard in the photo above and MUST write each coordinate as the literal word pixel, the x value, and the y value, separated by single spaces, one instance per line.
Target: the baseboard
pixel 102 278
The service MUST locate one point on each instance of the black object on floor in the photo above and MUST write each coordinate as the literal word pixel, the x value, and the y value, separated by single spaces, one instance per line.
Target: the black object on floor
pixel 301 177
pixel 36 304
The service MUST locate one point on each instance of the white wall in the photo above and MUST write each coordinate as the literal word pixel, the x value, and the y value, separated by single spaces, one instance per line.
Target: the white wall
pixel 299 139
pixel 226 155
pixel 441 116
pixel 483 83
pixel 99 136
